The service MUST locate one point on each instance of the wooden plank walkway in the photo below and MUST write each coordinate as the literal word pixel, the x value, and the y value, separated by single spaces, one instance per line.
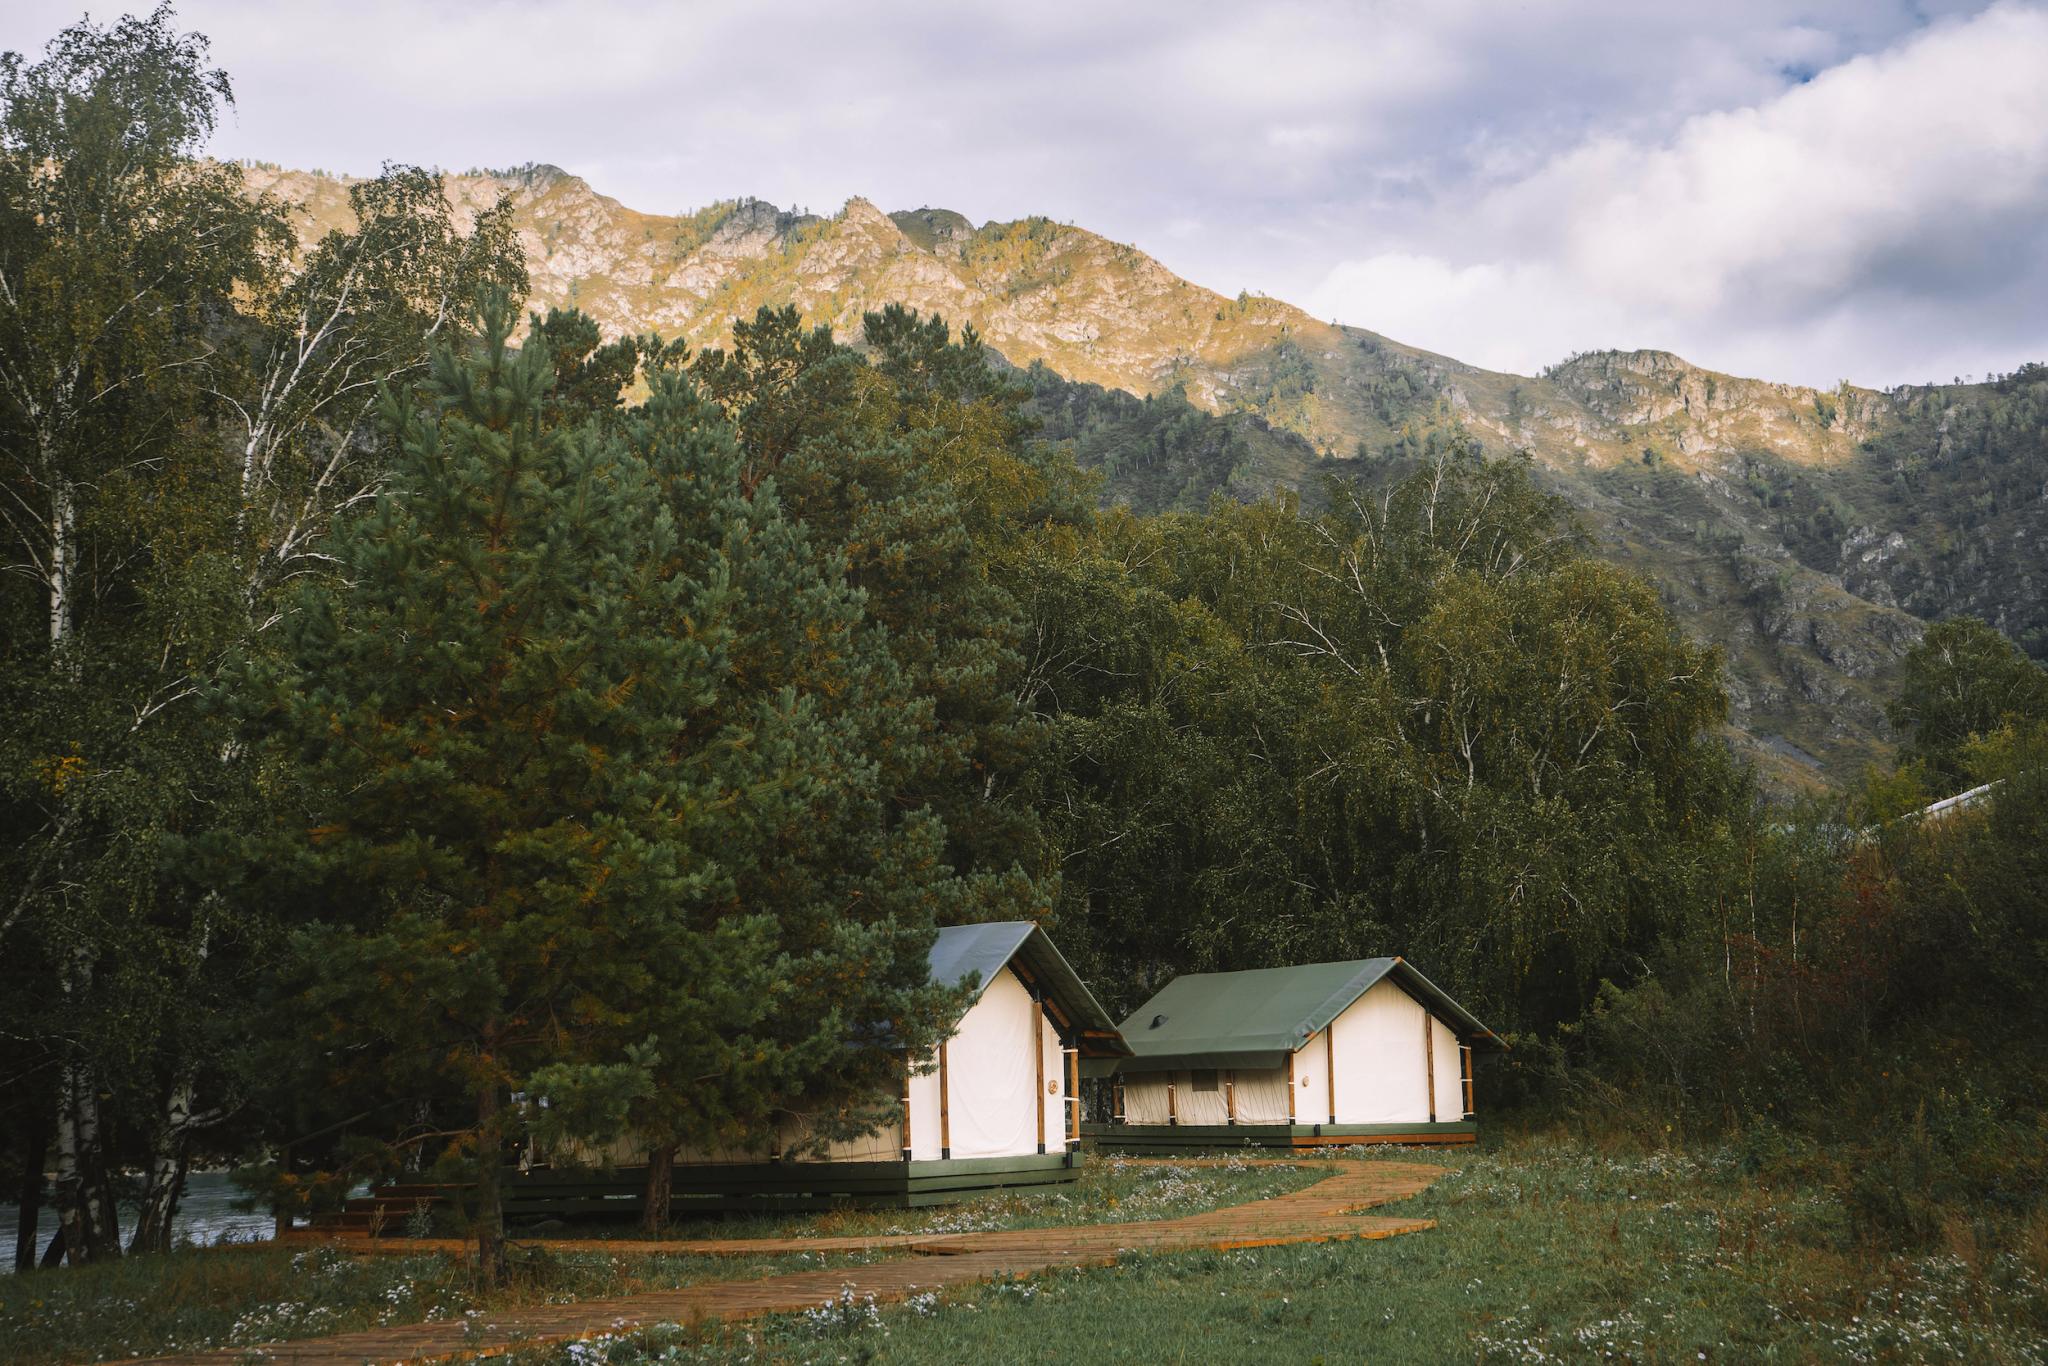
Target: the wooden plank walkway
pixel 1328 1211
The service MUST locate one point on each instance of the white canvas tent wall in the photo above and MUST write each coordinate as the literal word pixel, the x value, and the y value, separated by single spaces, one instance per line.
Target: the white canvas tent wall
pixel 1005 1083
pixel 1362 1051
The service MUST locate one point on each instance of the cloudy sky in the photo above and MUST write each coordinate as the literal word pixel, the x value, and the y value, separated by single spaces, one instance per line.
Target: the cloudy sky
pixel 1844 188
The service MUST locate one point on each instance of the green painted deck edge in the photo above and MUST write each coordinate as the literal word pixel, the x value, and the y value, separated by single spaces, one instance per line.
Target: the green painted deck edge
pixel 790 1185
pixel 1441 1126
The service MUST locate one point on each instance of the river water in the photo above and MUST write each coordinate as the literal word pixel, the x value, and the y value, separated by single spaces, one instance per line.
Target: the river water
pixel 207 1214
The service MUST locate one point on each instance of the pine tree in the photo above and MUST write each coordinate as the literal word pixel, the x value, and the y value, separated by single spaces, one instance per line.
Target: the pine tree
pixel 593 732
pixel 914 467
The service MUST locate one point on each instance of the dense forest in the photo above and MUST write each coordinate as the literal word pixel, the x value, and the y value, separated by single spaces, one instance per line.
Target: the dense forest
pixel 415 707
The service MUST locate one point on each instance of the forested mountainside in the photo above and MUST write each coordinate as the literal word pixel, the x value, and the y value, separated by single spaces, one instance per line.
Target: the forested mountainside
pixel 1809 533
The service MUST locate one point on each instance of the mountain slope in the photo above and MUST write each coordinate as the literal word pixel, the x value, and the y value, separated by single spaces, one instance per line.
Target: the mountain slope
pixel 1809 532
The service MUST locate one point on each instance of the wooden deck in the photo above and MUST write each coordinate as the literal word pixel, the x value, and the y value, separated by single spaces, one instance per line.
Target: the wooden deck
pixel 715 1188
pixel 1328 1211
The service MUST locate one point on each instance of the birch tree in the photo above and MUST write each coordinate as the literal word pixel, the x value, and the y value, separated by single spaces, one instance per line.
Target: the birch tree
pixel 1427 722
pixel 119 253
pixel 182 388
pixel 358 309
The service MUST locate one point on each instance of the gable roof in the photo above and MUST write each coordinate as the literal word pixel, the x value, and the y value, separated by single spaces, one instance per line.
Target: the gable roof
pixel 978 952
pixel 1256 1017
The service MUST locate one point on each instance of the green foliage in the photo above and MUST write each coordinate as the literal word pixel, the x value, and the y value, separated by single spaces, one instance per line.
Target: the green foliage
pixel 1963 680
pixel 178 410
pixel 119 253
pixel 1866 987
pixel 1426 724
pixel 592 376
pixel 1283 391
pixel 645 711
pixel 317 338
pixel 596 751
pixel 1396 388
pixel 1160 453
pixel 910 468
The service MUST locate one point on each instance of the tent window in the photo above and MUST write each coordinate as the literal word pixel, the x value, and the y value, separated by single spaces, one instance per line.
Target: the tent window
pixel 1203 1080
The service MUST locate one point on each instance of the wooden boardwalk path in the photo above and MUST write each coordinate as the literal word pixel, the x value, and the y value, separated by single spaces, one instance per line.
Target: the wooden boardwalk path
pixel 1328 1211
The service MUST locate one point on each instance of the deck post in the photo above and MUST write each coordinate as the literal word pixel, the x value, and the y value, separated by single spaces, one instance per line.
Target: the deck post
pixel 1290 1088
pixel 1429 1059
pixel 1073 1098
pixel 1230 1098
pixel 945 1111
pixel 1465 1076
pixel 906 1105
pixel 1172 1115
pixel 1330 1064
pixel 1116 1100
pixel 1038 1061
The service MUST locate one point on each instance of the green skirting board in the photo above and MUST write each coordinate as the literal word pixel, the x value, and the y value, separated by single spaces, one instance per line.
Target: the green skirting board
pixel 720 1187
pixel 1174 1138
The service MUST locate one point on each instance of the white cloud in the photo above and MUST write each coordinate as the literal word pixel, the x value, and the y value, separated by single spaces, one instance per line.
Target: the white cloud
pixel 1895 206
pixel 1502 315
pixel 1581 172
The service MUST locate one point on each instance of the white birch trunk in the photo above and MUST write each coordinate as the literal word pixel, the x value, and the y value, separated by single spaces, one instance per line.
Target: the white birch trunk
pixel 86 1218
pixel 63 530
pixel 69 1201
pixel 166 1181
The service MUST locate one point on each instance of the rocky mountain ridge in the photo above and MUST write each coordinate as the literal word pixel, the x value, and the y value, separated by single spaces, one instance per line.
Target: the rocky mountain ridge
pixel 1810 532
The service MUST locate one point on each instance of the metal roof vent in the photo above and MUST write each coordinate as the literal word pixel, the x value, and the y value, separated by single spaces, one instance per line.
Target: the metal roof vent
pixel 1157 1020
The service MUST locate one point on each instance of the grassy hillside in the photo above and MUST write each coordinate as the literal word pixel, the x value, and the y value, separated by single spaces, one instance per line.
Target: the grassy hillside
pixel 1808 532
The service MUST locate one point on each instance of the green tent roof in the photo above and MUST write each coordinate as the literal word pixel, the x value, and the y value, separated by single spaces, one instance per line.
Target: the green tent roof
pixel 964 953
pixel 1255 1018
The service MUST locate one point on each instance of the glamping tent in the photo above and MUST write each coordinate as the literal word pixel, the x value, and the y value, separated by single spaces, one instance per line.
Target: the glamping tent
pixel 994 1105
pixel 1323 1054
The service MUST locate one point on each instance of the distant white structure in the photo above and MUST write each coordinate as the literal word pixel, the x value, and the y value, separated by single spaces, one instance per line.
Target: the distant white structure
pixel 1962 801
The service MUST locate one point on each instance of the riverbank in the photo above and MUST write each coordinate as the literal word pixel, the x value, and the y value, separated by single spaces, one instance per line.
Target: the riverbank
pixel 206 1216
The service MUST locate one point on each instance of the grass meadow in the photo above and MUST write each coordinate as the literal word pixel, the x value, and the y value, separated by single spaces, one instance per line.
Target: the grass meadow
pixel 1546 1250
pixel 199 1298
